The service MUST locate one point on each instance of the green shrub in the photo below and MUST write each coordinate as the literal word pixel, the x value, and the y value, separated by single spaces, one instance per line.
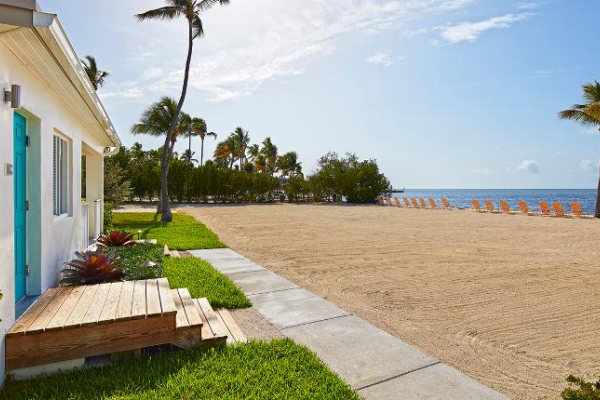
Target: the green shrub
pixel 108 215
pixel 133 259
pixel 579 389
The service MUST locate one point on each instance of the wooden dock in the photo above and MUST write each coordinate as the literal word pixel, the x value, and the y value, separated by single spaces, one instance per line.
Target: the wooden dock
pixel 82 321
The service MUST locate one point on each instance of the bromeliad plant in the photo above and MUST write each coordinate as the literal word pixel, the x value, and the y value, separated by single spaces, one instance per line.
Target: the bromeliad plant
pixel 92 267
pixel 117 239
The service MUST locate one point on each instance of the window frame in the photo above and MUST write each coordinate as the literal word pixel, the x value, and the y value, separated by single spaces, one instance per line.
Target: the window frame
pixel 61 176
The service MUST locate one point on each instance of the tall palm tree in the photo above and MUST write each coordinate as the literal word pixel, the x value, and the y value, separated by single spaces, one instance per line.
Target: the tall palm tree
pixel 200 129
pixel 587 114
pixel 197 125
pixel 241 139
pixel 226 151
pixel 269 150
pixel 191 10
pixel 91 69
pixel 156 121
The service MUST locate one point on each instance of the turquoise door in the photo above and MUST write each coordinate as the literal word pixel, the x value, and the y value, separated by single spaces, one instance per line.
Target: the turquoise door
pixel 20 165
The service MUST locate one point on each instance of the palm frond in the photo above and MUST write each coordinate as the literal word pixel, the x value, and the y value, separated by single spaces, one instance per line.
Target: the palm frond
pixel 205 5
pixel 580 116
pixel 591 92
pixel 198 29
pixel 162 13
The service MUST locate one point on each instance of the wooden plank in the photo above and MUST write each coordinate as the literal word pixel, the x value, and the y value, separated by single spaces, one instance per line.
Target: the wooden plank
pixel 230 339
pixel 211 318
pixel 31 315
pixel 138 309
pixel 180 318
pixel 93 313
pixel 60 345
pixel 232 326
pixel 46 316
pixel 82 306
pixel 166 298
pixel 125 301
pixel 193 316
pixel 64 312
pixel 153 298
pixel 109 310
pixel 206 333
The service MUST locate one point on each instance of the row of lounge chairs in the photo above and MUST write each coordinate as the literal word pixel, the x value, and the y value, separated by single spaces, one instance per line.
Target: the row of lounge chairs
pixel 557 208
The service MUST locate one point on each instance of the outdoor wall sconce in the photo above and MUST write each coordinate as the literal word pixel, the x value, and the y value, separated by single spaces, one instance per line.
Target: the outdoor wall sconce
pixel 13 96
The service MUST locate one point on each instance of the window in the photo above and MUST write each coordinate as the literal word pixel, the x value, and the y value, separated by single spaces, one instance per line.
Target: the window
pixel 61 176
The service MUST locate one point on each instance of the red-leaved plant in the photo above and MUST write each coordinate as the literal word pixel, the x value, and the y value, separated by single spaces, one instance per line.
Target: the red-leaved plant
pixel 92 267
pixel 116 239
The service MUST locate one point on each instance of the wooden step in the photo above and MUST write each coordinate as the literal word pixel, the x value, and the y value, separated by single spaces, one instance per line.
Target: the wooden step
pixel 213 331
pixel 188 321
pixel 234 333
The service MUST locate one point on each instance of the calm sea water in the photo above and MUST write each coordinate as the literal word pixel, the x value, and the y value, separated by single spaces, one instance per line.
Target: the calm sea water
pixel 462 197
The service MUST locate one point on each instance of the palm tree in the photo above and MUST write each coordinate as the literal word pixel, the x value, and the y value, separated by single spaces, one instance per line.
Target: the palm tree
pixel 587 114
pixel 156 121
pixel 288 164
pixel 191 11
pixel 199 128
pixel 197 125
pixel 253 152
pixel 188 156
pixel 269 150
pixel 91 69
pixel 226 151
pixel 241 139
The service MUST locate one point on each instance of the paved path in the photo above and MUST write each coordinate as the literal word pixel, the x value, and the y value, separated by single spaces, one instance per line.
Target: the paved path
pixel 374 363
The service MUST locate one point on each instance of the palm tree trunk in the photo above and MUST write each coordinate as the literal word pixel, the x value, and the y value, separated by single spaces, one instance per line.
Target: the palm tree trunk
pixel 166 214
pixel 202 153
pixel 190 148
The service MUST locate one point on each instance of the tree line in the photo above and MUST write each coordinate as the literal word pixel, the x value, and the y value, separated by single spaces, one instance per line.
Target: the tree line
pixel 260 175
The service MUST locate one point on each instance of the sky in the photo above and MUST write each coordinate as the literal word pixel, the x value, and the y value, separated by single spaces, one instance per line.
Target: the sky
pixel 442 93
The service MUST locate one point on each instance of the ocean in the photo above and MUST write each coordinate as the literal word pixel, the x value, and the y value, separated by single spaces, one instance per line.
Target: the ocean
pixel 462 198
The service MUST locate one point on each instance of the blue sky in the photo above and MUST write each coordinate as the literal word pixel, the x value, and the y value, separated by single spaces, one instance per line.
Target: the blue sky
pixel 443 93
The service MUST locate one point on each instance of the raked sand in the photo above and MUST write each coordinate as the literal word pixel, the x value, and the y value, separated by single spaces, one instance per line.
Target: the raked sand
pixel 513 301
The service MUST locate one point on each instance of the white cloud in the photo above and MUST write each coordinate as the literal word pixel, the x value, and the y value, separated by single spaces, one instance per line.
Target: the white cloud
pixel 481 171
pixel 471 31
pixel 591 131
pixel 284 47
pixel 380 59
pixel 530 5
pixel 529 166
pixel 588 166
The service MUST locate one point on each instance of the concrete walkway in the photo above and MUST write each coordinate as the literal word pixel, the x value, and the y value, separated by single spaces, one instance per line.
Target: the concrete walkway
pixel 372 362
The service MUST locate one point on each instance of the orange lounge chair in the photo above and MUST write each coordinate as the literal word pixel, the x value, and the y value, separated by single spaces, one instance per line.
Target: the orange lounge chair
pixel 477 206
pixel 406 202
pixel 389 201
pixel 380 200
pixel 397 200
pixel 490 206
pixel 505 207
pixel 523 207
pixel 414 202
pixel 558 209
pixel 446 203
pixel 576 210
pixel 545 209
pixel 422 201
pixel 432 203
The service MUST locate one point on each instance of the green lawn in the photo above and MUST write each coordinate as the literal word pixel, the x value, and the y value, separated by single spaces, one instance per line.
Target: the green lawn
pixel 203 280
pixel 184 233
pixel 258 370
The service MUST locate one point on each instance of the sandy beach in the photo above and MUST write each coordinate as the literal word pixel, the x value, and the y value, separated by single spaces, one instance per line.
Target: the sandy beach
pixel 510 300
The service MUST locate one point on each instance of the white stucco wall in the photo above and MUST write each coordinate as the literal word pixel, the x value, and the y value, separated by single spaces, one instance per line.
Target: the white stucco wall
pixel 59 237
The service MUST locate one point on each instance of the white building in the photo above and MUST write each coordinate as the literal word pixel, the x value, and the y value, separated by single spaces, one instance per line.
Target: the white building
pixel 53 127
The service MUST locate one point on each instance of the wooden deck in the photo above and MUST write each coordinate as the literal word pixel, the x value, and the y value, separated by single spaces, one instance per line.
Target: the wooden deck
pixel 82 321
